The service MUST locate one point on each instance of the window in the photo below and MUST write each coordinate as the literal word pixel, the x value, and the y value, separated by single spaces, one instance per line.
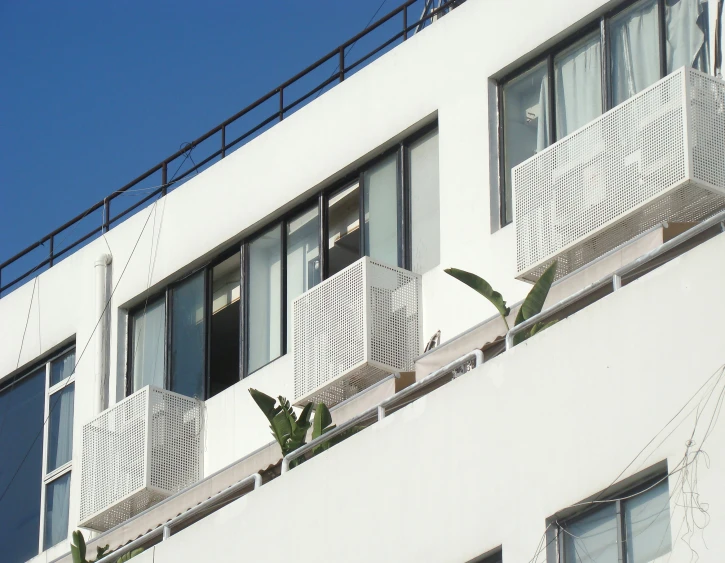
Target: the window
pixel 265 299
pixel 567 87
pixel 36 472
pixel 304 268
pixel 187 338
pixel 425 216
pixel 225 323
pixel 21 416
pixel 147 344
pixel 59 405
pixel 343 228
pixel 633 530
pixel 234 316
pixel 381 193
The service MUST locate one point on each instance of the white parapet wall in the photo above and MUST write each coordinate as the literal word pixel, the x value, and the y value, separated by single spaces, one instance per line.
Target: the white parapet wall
pixel 486 459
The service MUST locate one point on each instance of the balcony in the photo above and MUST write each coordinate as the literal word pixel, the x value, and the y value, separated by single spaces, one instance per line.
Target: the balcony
pixel 658 157
pixel 135 454
pixel 354 329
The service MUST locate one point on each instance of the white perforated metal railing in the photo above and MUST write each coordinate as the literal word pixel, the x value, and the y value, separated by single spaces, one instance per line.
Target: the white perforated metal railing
pixel 354 329
pixel 656 157
pixel 136 453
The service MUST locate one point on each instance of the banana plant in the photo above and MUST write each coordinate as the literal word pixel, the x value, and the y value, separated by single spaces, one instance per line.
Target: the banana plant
pixel 289 431
pixel 531 306
pixel 78 550
pixel 321 424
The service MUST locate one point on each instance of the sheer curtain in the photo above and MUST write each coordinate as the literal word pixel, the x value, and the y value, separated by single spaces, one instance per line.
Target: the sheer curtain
pixel 635 50
pixel 542 126
pixel 57 496
pixel 148 345
pixel 380 200
pixel 687 34
pixel 578 87
pixel 60 439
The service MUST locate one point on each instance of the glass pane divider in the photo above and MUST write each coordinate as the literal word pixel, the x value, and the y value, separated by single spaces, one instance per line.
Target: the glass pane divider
pixel 58 472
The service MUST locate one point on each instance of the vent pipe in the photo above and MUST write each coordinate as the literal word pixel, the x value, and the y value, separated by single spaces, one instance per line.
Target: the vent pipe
pixel 101 335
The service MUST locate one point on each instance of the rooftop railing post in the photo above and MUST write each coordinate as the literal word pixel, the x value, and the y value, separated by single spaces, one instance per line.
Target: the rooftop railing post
pixel 341 64
pixel 224 141
pixel 405 22
pixel 281 104
pixel 164 172
pixel 106 214
pixel 50 252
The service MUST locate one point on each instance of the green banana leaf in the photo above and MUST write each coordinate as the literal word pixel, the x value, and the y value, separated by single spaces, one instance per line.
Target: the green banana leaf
pixel 321 422
pixel 534 301
pixel 265 403
pixel 483 287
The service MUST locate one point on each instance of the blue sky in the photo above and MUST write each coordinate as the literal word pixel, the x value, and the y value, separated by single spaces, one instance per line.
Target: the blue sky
pixel 92 94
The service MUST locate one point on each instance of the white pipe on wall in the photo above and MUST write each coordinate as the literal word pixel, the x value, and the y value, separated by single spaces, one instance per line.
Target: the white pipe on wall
pixel 101 335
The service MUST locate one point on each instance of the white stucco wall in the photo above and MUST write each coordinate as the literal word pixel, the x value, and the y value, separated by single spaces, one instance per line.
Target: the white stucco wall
pixel 444 71
pixel 485 460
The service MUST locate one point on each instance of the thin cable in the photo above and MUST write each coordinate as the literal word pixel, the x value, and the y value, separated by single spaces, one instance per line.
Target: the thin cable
pixel 720 369
pixel 51 407
pixel 689 459
pixel 20 352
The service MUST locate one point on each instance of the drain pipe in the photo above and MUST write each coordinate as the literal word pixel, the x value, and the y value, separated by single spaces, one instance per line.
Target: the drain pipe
pixel 99 370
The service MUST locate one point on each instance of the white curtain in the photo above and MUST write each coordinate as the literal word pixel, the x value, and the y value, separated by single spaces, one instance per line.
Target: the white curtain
pixel 60 447
pixel 148 346
pixel 687 36
pixel 578 86
pixel 57 496
pixel 635 51
pixel 542 128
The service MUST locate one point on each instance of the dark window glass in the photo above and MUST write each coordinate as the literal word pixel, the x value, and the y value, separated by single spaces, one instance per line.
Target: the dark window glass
pixel 21 423
pixel 225 298
pixel 187 337
pixel 343 228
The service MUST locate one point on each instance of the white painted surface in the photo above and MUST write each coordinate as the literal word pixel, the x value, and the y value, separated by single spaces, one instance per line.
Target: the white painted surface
pixel 485 460
pixel 443 71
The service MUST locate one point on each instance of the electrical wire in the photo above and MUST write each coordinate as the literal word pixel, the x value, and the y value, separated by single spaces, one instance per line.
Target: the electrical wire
pixel 682 469
pixel 20 352
pixel 52 406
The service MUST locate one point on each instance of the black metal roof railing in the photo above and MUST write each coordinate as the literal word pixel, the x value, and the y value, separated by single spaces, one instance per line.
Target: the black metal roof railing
pixel 283 107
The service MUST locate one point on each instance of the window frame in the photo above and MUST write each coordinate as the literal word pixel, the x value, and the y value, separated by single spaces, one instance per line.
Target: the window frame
pixel 320 199
pixel 602 24
pixel 638 487
pixel 49 477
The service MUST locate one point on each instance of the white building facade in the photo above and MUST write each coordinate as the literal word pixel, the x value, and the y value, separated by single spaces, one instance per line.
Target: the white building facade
pixel 596 440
